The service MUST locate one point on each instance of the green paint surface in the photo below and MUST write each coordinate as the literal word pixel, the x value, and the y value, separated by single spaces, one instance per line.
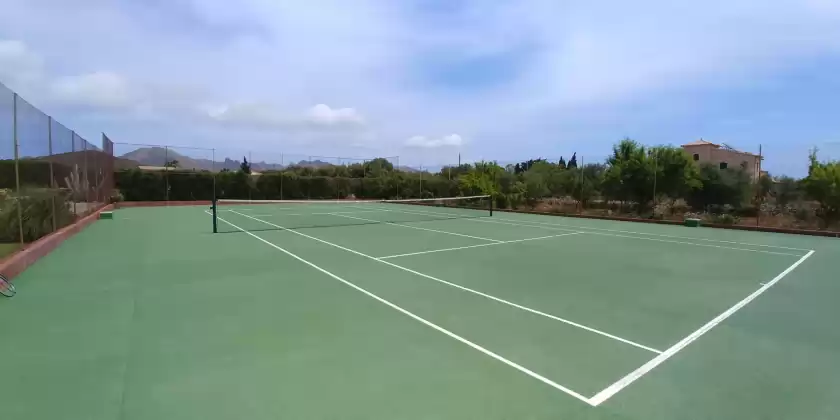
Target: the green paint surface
pixel 151 316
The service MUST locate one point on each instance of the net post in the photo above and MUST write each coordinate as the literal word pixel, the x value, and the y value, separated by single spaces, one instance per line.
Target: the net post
pixel 215 222
pixel 491 206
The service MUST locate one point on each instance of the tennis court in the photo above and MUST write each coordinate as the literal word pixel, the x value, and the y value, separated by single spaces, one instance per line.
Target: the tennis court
pixel 405 311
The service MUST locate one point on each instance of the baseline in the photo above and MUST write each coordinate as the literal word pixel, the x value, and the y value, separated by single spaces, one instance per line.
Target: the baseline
pixel 622 383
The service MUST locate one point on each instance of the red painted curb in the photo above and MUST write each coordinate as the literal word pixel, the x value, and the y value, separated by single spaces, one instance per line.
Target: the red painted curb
pixel 21 260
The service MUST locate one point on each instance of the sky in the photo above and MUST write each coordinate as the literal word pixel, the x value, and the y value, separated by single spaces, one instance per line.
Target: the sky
pixel 429 80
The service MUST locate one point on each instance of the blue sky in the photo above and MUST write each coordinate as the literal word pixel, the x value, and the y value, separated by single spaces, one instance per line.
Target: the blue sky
pixel 429 80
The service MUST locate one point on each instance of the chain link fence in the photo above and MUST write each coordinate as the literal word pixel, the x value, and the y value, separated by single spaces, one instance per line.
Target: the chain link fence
pixel 49 175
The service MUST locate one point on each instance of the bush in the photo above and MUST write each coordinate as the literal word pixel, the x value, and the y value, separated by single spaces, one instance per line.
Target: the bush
pixel 724 219
pixel 749 211
pixel 42 212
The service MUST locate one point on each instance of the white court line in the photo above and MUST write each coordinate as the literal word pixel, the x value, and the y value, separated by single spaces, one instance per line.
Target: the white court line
pixel 643 239
pixel 466 289
pixel 638 233
pixel 476 246
pixel 411 315
pixel 537 225
pixel 310 214
pixel 611 390
pixel 661 235
pixel 418 228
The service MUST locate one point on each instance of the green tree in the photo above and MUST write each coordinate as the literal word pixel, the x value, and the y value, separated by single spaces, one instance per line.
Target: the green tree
pixel 763 190
pixel 483 179
pixel 572 162
pixel 785 191
pixel 721 187
pixel 629 175
pixel 823 185
pixel 587 182
pixel 378 167
pixel 676 173
pixel 245 167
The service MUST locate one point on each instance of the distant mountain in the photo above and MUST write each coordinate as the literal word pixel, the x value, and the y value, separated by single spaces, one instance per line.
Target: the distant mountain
pixel 158 156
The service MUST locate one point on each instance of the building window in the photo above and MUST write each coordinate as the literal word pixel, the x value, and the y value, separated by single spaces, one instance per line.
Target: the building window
pixel 696 156
pixel 723 165
pixel 744 164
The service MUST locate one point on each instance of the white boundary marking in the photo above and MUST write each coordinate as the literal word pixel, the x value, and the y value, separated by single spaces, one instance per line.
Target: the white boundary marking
pixel 466 289
pixel 611 390
pixel 636 237
pixel 315 213
pixel 477 246
pixel 565 227
pixel 417 318
pixel 418 228
pixel 660 235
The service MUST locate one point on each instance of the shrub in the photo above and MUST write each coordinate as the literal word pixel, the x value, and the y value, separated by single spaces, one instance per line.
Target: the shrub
pixel 42 212
pixel 725 219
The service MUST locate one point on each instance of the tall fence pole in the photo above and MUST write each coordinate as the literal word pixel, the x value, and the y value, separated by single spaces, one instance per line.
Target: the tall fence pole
pixel 52 173
pixel 213 172
pixel 282 170
pixel 166 173
pixel 75 169
pixel 655 173
pixel 758 191
pixel 421 182
pixel 582 181
pixel 85 179
pixel 17 166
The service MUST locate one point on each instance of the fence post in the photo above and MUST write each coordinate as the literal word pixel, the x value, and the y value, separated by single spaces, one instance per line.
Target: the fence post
pixel 75 169
pixel 85 179
pixel 52 174
pixel 166 173
pixel 282 170
pixel 17 167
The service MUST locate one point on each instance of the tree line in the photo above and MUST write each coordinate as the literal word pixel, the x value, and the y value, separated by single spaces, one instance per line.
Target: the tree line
pixel 634 179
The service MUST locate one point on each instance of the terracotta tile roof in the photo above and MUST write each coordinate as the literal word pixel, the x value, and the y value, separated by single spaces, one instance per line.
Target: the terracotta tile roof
pixel 701 142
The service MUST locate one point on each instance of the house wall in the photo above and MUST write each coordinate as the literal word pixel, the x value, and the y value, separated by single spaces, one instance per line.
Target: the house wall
pixel 734 159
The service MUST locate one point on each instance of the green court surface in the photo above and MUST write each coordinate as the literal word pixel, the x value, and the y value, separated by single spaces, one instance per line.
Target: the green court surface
pixel 151 316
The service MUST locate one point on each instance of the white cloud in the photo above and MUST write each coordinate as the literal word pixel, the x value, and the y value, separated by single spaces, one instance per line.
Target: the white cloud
pixel 18 64
pixel 247 114
pixel 99 89
pixel 264 115
pixel 323 115
pixel 452 140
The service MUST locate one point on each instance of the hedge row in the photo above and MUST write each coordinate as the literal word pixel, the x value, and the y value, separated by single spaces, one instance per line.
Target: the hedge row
pixel 137 185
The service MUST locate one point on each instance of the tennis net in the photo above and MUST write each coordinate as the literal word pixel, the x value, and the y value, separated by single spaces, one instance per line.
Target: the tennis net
pixel 260 215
